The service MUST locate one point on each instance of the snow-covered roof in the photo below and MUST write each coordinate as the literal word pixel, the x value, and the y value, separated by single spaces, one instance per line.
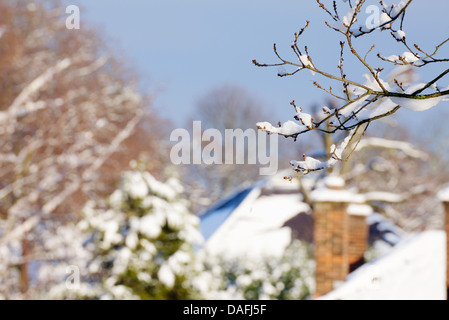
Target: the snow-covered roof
pixel 255 227
pixel 215 216
pixel 414 270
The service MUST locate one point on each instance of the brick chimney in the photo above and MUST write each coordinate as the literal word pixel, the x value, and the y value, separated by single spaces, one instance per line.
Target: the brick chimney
pixel 444 197
pixel 331 234
pixel 358 232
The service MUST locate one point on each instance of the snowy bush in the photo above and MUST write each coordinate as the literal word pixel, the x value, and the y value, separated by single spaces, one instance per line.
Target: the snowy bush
pixel 289 277
pixel 142 242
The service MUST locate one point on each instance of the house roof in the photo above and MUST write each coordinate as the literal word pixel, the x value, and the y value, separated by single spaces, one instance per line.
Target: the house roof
pixel 414 270
pixel 263 219
pixel 256 226
pixel 215 216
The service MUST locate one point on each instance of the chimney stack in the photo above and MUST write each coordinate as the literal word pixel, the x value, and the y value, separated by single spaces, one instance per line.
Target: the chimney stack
pixel 358 232
pixel 331 234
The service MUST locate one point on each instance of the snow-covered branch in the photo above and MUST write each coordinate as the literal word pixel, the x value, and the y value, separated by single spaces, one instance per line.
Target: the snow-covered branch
pixel 310 164
pixel 361 102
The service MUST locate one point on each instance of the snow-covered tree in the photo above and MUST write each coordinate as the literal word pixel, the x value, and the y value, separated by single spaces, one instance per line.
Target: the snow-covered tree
pixel 141 242
pixel 71 119
pixel 361 103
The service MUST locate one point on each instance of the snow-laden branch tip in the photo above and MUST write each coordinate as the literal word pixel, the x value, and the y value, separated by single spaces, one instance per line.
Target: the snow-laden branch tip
pixel 398 35
pixel 310 164
pixel 288 129
pixel 407 58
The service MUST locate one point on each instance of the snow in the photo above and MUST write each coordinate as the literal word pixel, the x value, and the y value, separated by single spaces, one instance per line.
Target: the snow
pixel 410 57
pixel 278 183
pixel 391 237
pixel 374 85
pixel 343 24
pixel 352 107
pixel 326 110
pixel 417 104
pixel 332 191
pixel 34 87
pixel 375 218
pixel 144 277
pixel 305 60
pixel 397 8
pixel 255 227
pixel 309 163
pixel 334 182
pixel 132 240
pixel 406 57
pixel 312 164
pixel 384 18
pixel 31 7
pixel 405 147
pixel 328 195
pixel 305 118
pixel 443 195
pixel 399 35
pixel 360 210
pixel 414 270
pixel 384 197
pixel 289 128
pixel 136 185
pixel 168 190
pixel 166 276
pixel 116 199
pixel 385 105
pixel 151 226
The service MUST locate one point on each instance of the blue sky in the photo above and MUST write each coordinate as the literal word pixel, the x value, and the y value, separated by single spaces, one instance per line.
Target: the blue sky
pixel 184 48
